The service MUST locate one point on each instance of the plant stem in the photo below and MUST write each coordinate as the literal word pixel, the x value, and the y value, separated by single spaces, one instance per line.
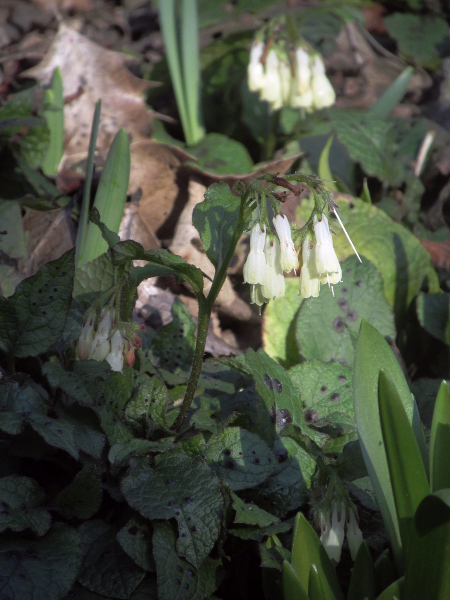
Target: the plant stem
pixel 205 306
pixel 270 145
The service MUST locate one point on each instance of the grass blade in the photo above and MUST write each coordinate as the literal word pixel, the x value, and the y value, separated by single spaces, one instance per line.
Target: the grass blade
pixel 54 115
pixel 440 440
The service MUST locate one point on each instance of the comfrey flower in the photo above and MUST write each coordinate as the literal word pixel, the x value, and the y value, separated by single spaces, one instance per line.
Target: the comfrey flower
pixel 255 71
pixel 327 263
pixel 101 346
pixel 273 285
pixel 255 264
pixel 322 90
pixel 309 279
pixel 335 526
pixel 289 258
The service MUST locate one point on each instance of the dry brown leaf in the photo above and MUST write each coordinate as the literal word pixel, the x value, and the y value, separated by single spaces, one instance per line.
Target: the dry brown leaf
pixel 97 73
pixel 439 252
pixel 50 234
pixel 153 185
pixel 55 5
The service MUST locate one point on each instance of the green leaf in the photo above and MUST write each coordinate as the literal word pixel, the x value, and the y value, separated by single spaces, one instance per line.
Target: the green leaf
pixel 440 440
pixel 372 354
pixel 106 569
pixel 55 432
pixel 219 154
pixel 110 197
pixel 120 454
pixel 309 554
pixel 367 139
pixel 359 297
pixel 176 577
pixel 362 582
pixel 292 588
pixel 93 279
pixel 418 36
pixel 408 477
pixel 135 539
pixel 19 499
pixel 433 312
pixel 324 166
pixel 402 261
pixel 16 402
pixel 83 496
pixel 178 487
pixel 88 436
pixel 42 569
pixel 12 239
pixel 394 591
pixel 34 317
pixel 54 115
pixel 216 219
pixel 279 396
pixel 428 553
pixel 393 95
pixel 250 514
pixel 278 331
pixel 240 457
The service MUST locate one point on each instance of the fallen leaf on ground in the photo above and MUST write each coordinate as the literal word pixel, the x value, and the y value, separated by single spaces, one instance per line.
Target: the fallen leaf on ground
pixel 439 252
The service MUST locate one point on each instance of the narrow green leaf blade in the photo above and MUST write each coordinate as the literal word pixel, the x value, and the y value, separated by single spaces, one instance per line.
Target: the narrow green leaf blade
pixel 394 591
pixel 362 582
pixel 408 476
pixel 292 588
pixel 307 554
pixel 433 312
pixel 54 115
pixel 392 96
pixel 324 166
pixel 372 354
pixel 440 440
pixel 110 197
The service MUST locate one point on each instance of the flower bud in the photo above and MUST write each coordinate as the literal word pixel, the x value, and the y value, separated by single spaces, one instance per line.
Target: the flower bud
pixel 100 346
pixel 115 356
pixel 289 258
pixel 86 338
pixel 129 354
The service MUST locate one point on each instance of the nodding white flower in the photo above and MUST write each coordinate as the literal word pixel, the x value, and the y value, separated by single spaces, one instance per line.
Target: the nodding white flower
pixel 302 81
pixel 86 338
pixel 305 100
pixel 322 89
pixel 115 356
pixel 273 285
pixel 327 264
pixel 354 535
pixel 257 296
pixel 289 258
pixel 309 279
pixel 255 265
pixel 272 90
pixel 255 71
pixel 100 346
pixel 333 534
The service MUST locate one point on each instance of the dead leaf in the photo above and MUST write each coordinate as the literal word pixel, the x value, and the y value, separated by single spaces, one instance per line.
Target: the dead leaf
pixel 99 74
pixel 439 252
pixel 55 5
pixel 50 234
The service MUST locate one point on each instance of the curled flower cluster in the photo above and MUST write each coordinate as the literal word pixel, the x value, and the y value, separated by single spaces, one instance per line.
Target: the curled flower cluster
pixel 270 255
pixel 282 80
pixel 100 340
pixel 334 526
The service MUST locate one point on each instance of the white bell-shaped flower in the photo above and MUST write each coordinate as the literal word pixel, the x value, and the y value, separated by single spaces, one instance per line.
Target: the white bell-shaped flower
pixel 255 70
pixel 257 296
pixel 322 89
pixel 327 263
pixel 86 338
pixel 302 80
pixel 305 100
pixel 285 74
pixel 289 258
pixel 255 265
pixel 274 285
pixel 115 356
pixel 333 537
pixel 309 279
pixel 272 91
pixel 354 535
pixel 100 346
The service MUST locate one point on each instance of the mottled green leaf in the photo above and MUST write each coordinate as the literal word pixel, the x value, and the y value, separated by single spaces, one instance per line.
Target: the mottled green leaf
pixel 215 219
pixel 327 328
pixel 106 569
pixel 219 154
pixel 34 317
pixel 55 432
pixel 278 331
pixel 178 487
pixel 12 239
pixel 43 569
pixel 19 501
pixel 135 539
pixel 93 279
pixel 177 578
pixel 433 311
pixel 251 514
pixel 240 457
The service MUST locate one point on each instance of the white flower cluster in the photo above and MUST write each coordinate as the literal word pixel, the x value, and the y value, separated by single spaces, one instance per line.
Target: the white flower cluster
pixel 281 81
pixel 269 256
pixel 334 526
pixel 99 341
pixel 320 263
